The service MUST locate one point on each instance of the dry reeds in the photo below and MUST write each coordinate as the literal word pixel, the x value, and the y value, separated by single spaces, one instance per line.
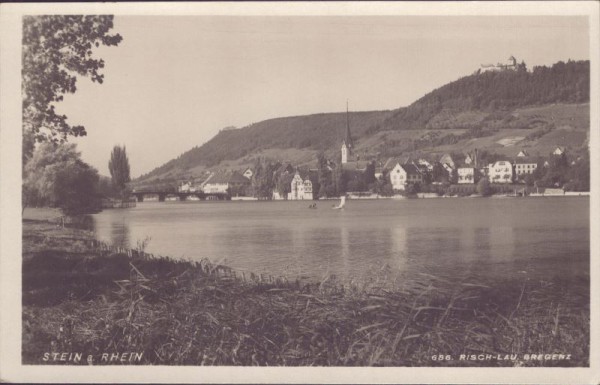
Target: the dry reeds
pixel 198 313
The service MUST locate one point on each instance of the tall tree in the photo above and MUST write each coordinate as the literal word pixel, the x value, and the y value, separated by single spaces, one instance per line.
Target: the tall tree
pixel 324 177
pixel 556 173
pixel 579 174
pixel 484 188
pixel 369 174
pixel 284 181
pixel 439 173
pixel 57 48
pixel 262 180
pixel 118 165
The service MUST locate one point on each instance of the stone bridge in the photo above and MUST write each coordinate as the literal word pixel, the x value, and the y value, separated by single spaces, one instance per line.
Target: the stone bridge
pixel 162 195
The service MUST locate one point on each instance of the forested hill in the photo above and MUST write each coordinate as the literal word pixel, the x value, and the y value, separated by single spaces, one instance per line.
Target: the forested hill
pixel 479 101
pixel 491 91
pixel 315 132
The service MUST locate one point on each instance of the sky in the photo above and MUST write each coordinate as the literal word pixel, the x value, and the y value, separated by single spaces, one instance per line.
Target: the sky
pixel 175 81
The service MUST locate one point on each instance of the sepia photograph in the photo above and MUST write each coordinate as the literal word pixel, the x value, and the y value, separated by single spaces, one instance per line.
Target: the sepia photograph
pixel 258 185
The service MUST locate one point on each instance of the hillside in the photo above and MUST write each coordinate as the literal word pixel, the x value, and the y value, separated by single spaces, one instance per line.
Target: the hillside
pixel 496 111
pixel 470 101
pixel 308 134
pixel 538 129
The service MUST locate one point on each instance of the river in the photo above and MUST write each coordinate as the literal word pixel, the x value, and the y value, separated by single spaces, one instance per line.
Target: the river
pixel 506 237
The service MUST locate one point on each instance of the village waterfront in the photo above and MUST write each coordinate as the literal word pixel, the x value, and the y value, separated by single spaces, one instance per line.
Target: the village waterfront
pixel 392 283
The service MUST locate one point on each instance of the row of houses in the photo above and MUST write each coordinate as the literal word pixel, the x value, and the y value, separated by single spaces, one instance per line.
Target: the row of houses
pixel 236 183
pixel 405 172
pixel 220 182
pixel 401 171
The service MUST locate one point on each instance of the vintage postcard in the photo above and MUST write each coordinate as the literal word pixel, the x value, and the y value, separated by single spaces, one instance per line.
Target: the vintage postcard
pixel 338 192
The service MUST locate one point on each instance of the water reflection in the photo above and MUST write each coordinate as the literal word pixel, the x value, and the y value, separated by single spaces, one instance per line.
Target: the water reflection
pixel 113 228
pixel 345 252
pixel 119 234
pixel 286 239
pixel 482 243
pixel 502 244
pixel 398 247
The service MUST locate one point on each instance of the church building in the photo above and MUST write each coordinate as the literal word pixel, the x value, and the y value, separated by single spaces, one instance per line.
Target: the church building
pixel 347 144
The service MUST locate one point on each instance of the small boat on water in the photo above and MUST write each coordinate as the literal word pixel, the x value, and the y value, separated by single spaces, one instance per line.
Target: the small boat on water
pixel 342 203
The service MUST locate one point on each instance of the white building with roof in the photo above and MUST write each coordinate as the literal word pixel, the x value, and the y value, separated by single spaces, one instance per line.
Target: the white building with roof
pixel 500 172
pixel 186 186
pixel 466 175
pixel 524 166
pixel 301 189
pixel 402 174
pixel 248 173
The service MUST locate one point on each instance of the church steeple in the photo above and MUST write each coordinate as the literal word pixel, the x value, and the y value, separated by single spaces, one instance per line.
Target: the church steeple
pixel 347 144
pixel 348 138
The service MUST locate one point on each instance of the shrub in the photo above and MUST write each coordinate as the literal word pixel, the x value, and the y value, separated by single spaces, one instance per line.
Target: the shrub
pixel 484 188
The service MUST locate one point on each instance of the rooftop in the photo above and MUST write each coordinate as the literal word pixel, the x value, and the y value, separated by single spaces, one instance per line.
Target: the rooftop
pixel 355 165
pixel 227 177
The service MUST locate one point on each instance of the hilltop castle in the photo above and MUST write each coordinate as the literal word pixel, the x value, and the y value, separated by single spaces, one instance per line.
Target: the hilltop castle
pixel 510 65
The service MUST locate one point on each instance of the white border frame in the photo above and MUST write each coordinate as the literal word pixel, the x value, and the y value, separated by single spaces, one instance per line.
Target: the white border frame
pixel 11 368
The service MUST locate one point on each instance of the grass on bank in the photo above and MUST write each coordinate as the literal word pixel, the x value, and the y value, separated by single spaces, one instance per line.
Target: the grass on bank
pixel 79 296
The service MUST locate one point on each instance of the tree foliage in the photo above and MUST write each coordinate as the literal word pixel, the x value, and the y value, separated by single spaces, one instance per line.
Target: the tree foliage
pixel 263 180
pixel 491 91
pixel 454 176
pixel 578 175
pixel 484 188
pixel 57 177
pixel 316 132
pixel 325 177
pixel 412 188
pixel 439 174
pixel 57 48
pixel 556 173
pixel 383 185
pixel 284 184
pixel 369 174
pixel 118 165
pixel 572 175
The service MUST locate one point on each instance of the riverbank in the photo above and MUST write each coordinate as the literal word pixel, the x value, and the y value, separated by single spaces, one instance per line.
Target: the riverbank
pixel 464 191
pixel 80 296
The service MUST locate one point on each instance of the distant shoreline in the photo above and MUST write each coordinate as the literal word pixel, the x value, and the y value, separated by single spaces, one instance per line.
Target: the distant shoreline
pixel 393 197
